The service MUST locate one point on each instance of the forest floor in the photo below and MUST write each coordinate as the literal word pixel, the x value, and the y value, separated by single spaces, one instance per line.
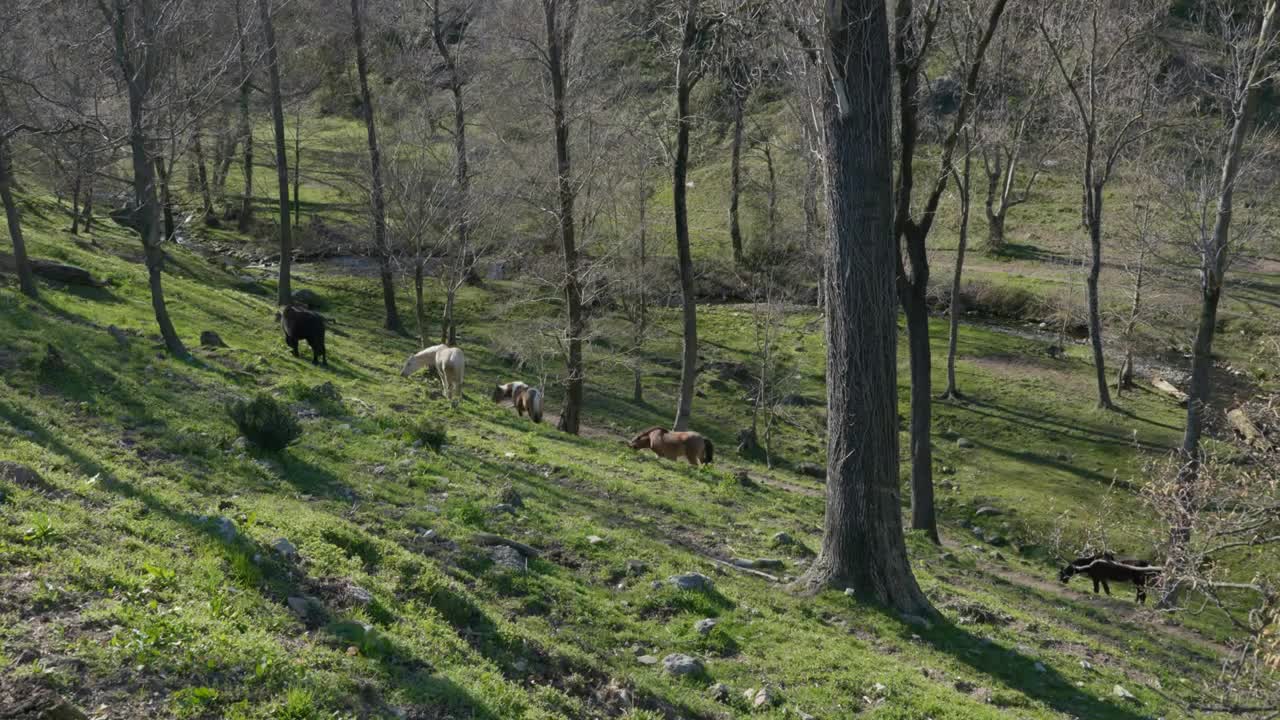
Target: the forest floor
pixel 141 571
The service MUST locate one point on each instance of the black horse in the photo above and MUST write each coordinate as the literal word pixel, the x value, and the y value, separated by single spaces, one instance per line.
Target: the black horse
pixel 300 324
pixel 1104 566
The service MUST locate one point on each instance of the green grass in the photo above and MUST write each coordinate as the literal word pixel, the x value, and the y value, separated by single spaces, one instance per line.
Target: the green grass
pixel 118 569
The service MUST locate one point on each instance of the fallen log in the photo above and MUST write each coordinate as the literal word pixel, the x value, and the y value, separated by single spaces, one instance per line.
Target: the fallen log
pixel 1241 423
pixel 489 539
pixel 1168 388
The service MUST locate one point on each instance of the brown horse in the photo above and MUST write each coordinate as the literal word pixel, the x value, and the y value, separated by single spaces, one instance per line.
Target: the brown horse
pixel 525 399
pixel 672 445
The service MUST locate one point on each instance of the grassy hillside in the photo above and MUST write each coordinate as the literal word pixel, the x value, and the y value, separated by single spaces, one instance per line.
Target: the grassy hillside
pixel 141 573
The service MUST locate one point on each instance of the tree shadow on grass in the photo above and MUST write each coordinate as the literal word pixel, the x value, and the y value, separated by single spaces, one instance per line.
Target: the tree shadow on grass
pixel 996 411
pixel 1034 678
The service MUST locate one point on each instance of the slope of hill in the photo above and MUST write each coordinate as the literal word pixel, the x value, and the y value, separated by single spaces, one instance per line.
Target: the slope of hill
pixel 143 573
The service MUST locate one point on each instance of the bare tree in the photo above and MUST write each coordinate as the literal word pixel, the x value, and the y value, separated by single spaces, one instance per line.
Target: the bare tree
pixel 1249 39
pixel 449 32
pixel 245 88
pixel 913 37
pixel 391 317
pixel 963 194
pixel 138 30
pixel 1095 47
pixel 26 281
pixel 862 543
pixel 694 28
pixel 284 294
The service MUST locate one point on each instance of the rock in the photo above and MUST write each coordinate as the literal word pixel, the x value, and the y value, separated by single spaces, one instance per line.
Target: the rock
pixel 1040 668
pixel 812 470
pixel 964 686
pixel 307 297
pixel 964 443
pixel 988 510
pixel 647 660
pixel 718 692
pixel 121 338
pixel 782 539
pixel 948 556
pixel 301 606
pixel 804 715
pixel 743 478
pixel 508 557
pixel 210 339
pixel 879 690
pixel 285 549
pixel 594 539
pixel 635 567
pixel 66 274
pixel 850 592
pixel 681 664
pixel 225 528
pixel 21 475
pixel 1120 692
pixel 997 540
pixel 764 697
pixel 997 556
pixel 501 508
pixel 917 621
pixel 690 581
pixel 1086 665
pixel 704 625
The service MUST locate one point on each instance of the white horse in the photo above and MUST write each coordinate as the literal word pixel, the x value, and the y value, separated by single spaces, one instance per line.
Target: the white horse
pixel 449 364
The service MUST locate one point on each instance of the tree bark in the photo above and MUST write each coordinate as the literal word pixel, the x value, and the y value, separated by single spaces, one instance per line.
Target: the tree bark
pixel 284 293
pixel 735 177
pixel 560 28
pixel 862 545
pixel 391 318
pixel 75 201
pixel 202 175
pixel 87 210
pixel 26 280
pixel 1091 293
pixel 138 74
pixel 419 305
pixel 642 310
pixel 166 201
pixel 962 187
pixel 685 80
pixel 245 221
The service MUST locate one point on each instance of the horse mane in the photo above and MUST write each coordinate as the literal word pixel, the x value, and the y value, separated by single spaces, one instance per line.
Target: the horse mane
pixel 647 432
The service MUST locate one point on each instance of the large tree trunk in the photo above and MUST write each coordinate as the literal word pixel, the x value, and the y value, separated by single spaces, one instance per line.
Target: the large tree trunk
pixel 284 293
pixel 391 319
pixel 735 177
pixel 916 308
pixel 955 310
pixel 679 190
pixel 245 222
pixel 862 544
pixel 146 209
pixel 1091 288
pixel 87 210
pixel 26 281
pixel 559 40
pixel 642 311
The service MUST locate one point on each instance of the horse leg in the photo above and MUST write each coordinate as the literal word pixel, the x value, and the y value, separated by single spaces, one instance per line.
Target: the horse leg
pixel 1105 586
pixel 1096 585
pixel 292 343
pixel 692 454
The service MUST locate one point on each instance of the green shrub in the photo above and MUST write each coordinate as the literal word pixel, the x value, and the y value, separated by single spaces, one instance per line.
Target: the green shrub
pixel 431 433
pixel 325 397
pixel 265 422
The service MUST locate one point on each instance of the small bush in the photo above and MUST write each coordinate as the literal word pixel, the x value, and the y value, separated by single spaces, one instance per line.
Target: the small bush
pixel 265 422
pixel 430 433
pixel 325 397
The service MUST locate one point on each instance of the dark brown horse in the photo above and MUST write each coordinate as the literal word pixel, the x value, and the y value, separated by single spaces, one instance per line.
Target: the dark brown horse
pixel 673 445
pixel 1104 566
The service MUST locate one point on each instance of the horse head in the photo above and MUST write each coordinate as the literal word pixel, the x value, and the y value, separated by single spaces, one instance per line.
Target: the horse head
pixel 499 393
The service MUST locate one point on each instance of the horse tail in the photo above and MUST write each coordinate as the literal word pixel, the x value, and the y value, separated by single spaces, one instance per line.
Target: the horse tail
pixel 535 404
pixel 710 450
